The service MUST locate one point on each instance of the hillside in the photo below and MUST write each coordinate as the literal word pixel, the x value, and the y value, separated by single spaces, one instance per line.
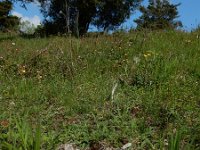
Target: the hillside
pixel 101 91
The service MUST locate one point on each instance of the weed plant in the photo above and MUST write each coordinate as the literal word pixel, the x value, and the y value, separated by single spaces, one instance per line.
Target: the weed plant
pixel 58 90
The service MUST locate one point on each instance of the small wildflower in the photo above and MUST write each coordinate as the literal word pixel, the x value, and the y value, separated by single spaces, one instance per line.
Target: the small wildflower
pixel 22 70
pixel 129 44
pixel 174 130
pixel 13 44
pixel 166 142
pixel 147 55
pixel 39 77
pixel 4 123
pixel 136 60
pixel 12 104
pixel 188 41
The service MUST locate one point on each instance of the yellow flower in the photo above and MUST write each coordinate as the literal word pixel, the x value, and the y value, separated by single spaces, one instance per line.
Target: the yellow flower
pixel 188 41
pixel 147 55
pixel 22 70
pixel 39 77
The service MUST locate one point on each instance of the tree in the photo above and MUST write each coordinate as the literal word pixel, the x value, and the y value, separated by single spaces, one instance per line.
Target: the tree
pixel 63 15
pixel 26 27
pixel 7 21
pixel 87 10
pixel 159 14
pixel 111 13
pixel 105 14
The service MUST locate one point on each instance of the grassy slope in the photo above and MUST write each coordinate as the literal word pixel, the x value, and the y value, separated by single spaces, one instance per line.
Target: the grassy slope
pixel 60 89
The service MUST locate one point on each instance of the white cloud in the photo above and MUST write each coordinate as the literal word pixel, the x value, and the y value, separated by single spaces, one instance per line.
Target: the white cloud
pixel 35 20
pixel 36 3
pixel 17 14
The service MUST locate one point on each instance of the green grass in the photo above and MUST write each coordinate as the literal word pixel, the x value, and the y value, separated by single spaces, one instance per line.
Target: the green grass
pixel 58 90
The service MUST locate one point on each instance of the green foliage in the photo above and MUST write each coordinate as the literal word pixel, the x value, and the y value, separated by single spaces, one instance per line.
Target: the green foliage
pixel 101 13
pixel 67 84
pixel 175 141
pixel 19 135
pixel 112 13
pixel 197 30
pixel 27 27
pixel 159 14
pixel 7 22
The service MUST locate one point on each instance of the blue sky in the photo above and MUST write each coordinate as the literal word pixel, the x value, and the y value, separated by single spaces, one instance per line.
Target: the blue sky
pixel 189 12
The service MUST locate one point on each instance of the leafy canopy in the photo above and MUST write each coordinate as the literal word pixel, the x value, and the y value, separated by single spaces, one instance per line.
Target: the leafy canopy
pixel 159 14
pixel 104 14
pixel 7 21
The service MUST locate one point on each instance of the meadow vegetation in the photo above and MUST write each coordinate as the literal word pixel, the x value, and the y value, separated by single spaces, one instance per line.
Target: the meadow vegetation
pixel 140 87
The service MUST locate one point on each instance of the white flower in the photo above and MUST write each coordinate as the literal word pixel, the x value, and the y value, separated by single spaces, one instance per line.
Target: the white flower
pixel 12 104
pixel 13 44
pixel 136 60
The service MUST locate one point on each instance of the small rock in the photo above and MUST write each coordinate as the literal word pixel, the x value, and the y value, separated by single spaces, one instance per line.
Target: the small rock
pixel 109 148
pixel 66 147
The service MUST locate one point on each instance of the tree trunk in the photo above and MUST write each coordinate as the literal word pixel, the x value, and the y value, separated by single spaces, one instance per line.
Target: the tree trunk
pixel 67 19
pixel 76 25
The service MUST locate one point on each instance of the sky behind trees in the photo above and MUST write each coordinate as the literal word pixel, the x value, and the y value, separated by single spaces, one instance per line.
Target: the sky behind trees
pixel 188 11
